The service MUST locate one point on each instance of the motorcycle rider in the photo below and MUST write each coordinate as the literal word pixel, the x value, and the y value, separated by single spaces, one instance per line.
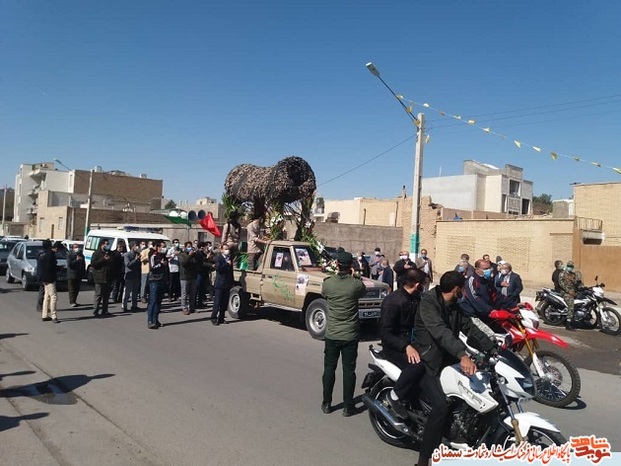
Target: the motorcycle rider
pixel 436 338
pixel 396 324
pixel 569 282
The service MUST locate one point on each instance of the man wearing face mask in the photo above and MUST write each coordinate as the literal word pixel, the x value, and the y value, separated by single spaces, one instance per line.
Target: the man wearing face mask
pixel 222 286
pixel 76 271
pixel 508 283
pixel 361 265
pixel 424 263
pixel 436 338
pixel 131 261
pixel 402 266
pixel 102 264
pixel 480 294
pixel 188 269
pixel 396 331
pixel 569 282
pixel 376 264
pixel 158 281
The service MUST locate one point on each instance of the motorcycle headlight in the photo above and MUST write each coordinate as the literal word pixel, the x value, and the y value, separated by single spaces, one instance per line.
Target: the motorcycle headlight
pixel 383 293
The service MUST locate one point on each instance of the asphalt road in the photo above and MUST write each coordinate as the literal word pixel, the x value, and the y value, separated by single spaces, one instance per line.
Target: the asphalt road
pixel 110 391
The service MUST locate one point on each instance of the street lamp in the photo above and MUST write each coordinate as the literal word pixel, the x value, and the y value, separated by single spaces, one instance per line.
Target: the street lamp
pixel 419 121
pixel 89 203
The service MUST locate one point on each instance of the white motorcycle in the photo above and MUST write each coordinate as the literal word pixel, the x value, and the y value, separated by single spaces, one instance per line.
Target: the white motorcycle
pixel 485 409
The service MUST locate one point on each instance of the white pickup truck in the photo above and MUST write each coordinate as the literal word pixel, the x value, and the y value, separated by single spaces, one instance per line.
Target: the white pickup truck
pixel 290 277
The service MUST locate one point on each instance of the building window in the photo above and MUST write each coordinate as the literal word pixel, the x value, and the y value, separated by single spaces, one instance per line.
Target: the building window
pixel 61 222
pixel 514 188
pixel 41 225
pixel 525 206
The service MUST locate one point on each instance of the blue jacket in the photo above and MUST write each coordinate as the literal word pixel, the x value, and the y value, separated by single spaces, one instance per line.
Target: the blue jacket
pixel 481 297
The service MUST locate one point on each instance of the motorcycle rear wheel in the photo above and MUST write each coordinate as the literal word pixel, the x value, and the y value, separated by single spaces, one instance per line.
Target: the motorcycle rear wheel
pixel 381 427
pixel 612 324
pixel 563 386
pixel 550 316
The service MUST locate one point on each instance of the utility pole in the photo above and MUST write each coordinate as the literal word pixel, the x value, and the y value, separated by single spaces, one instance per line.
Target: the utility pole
pixel 4 209
pixel 87 222
pixel 418 181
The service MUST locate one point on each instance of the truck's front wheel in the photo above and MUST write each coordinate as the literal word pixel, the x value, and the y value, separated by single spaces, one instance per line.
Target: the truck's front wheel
pixel 238 303
pixel 316 318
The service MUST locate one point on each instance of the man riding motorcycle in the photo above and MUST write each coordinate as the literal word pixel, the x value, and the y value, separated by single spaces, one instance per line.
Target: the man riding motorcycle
pixel 569 282
pixel 396 324
pixel 436 337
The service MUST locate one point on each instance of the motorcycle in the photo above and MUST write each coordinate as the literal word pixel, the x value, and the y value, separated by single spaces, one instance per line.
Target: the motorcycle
pixel 485 409
pixel 590 309
pixel 556 377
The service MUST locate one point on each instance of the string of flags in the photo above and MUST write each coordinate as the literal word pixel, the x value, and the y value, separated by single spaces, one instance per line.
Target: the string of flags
pixel 488 130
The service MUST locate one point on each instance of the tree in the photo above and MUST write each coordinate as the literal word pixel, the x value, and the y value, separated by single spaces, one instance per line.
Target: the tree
pixel 170 205
pixel 542 204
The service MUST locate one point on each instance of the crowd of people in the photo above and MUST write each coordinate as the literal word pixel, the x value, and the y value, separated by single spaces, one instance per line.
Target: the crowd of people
pixel 419 327
pixel 144 273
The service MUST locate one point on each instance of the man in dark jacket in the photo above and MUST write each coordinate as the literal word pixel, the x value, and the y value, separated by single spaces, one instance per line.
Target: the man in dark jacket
pixel 480 294
pixel 76 271
pixel 342 291
pixel 556 275
pixel 102 264
pixel 118 270
pixel 48 277
pixel 188 271
pixel 436 337
pixel 222 286
pixel 403 265
pixel 158 282
pixel 132 265
pixel 396 331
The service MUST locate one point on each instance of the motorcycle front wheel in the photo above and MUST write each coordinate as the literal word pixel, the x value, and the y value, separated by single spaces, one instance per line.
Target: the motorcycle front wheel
pixel 610 321
pixel 536 436
pixel 382 428
pixel 551 315
pixel 560 384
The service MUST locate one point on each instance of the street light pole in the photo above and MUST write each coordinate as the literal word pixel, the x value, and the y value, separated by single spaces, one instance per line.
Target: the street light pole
pixel 87 221
pixel 418 164
pixel 4 208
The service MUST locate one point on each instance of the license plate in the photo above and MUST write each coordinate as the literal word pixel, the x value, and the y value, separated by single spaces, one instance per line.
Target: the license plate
pixel 371 314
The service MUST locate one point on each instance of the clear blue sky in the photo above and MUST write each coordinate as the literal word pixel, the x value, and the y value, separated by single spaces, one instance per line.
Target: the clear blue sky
pixel 186 90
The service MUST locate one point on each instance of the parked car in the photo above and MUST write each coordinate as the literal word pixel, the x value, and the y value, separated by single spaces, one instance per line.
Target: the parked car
pixel 22 264
pixel 6 244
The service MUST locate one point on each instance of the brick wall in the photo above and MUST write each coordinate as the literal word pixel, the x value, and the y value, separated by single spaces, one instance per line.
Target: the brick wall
pixel 530 245
pixel 601 201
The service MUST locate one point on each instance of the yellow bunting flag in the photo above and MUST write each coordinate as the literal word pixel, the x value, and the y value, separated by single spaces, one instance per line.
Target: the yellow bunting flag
pixel 409 109
pixel 577 159
pixel 427 139
pixel 472 122
pixel 596 164
pixel 487 130
pixel 554 155
pixel 538 149
pixel 399 96
pixel 518 143
pixel 426 105
pixel 618 170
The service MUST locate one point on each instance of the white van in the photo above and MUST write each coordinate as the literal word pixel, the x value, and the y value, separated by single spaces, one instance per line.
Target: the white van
pixel 126 236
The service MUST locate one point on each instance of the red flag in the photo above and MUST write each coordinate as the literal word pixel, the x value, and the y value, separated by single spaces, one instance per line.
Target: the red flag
pixel 208 224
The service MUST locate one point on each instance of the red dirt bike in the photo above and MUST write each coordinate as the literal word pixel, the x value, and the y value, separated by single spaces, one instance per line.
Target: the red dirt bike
pixel 556 377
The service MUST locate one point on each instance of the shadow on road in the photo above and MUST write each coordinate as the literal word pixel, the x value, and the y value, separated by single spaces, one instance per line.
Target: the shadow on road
pixel 11 335
pixel 13 374
pixel 9 422
pixel 576 405
pixel 58 390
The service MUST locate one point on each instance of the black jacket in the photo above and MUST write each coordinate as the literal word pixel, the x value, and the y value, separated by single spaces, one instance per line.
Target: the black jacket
pixel 75 267
pixel 48 266
pixel 436 332
pixel 400 269
pixel 188 266
pixel 158 268
pixel 397 320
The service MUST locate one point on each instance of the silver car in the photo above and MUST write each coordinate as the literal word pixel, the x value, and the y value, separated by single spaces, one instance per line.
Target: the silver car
pixel 22 264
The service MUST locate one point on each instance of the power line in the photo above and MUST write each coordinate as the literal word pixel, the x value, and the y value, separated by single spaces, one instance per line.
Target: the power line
pixel 367 162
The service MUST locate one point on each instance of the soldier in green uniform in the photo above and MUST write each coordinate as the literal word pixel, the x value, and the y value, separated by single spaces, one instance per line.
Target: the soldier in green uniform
pixel 569 281
pixel 342 291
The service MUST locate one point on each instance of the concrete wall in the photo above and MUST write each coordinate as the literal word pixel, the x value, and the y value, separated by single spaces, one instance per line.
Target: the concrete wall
pixel 531 245
pixel 356 238
pixel 349 210
pixel 495 187
pixel 596 260
pixel 458 191
pixel 601 201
